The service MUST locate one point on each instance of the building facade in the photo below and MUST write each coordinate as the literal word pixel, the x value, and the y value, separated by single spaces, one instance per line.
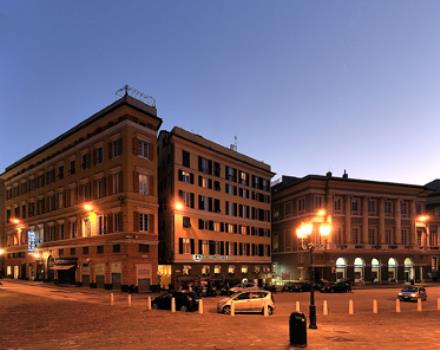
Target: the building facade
pixel 214 211
pixel 83 208
pixel 381 232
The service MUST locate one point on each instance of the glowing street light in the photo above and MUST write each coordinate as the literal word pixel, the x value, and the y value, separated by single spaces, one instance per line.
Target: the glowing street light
pixel 303 232
pixel 2 251
pixel 15 221
pixel 88 207
pixel 178 205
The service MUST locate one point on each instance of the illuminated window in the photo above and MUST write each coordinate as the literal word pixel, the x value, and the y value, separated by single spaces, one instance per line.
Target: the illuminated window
pixel 244 269
pixel 186 270
pixel 144 187
pixel 143 222
pixel 231 269
pixel 217 269
pixel 205 270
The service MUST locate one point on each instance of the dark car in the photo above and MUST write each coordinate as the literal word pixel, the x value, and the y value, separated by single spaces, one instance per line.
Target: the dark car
pixel 336 287
pixel 185 301
pixel 297 287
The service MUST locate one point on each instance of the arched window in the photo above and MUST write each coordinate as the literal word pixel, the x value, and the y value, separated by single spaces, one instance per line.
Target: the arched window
pixel 375 262
pixel 408 262
pixel 392 262
pixel 341 262
pixel 358 262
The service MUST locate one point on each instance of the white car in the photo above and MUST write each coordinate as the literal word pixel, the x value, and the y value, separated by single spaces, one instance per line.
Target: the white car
pixel 244 287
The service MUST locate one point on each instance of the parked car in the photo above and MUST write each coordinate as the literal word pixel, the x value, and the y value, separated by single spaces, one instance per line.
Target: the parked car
pixel 244 287
pixel 185 301
pixel 247 301
pixel 297 287
pixel 412 293
pixel 336 287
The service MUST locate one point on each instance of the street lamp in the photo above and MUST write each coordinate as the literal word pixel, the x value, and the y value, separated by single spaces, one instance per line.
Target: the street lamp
pixel 304 232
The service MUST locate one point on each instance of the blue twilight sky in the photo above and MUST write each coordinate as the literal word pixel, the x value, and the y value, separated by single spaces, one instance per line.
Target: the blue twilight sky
pixel 307 86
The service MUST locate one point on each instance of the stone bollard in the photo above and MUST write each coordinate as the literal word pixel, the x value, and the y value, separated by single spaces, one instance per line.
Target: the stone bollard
pixel 297 307
pixel 266 310
pixel 397 305
pixel 201 306
pixel 419 304
pixel 375 308
pixel 173 304
pixel 325 308
pixel 232 308
pixel 438 304
pixel 129 299
pixel 148 303
pixel 350 307
pixel 112 299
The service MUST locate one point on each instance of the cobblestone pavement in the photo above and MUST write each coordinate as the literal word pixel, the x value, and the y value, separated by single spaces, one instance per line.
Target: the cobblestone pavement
pixel 38 316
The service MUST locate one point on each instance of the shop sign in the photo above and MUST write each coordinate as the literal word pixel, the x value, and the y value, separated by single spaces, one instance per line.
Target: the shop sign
pixel 31 241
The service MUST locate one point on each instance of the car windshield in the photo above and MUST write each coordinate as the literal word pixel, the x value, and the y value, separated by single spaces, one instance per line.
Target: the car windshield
pixel 409 289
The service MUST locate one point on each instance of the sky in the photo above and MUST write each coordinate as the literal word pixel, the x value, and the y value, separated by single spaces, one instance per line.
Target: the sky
pixel 306 86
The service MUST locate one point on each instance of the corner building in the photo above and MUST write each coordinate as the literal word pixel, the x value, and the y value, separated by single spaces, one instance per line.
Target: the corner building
pixel 215 211
pixel 381 233
pixel 83 208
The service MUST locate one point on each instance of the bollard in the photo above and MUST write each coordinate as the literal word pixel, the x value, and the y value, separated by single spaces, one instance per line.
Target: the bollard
pixel 325 308
pixel 148 303
pixel 397 305
pixel 129 299
pixel 173 304
pixel 375 309
pixel 438 304
pixel 232 308
pixel 201 306
pixel 350 307
pixel 419 304
pixel 266 309
pixel 112 299
pixel 297 307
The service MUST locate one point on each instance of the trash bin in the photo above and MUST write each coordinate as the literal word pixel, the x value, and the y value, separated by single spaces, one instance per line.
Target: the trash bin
pixel 298 329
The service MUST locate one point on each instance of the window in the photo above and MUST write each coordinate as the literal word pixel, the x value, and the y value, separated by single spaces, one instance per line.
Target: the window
pixel 217 169
pixel 186 161
pixel 72 251
pixel 406 236
pixel 72 167
pixel 338 205
pixel 244 269
pixel 185 176
pixel 372 207
pixel 404 208
pixel 102 225
pixel 144 248
pixel 186 246
pixel 85 161
pixel 98 155
pixel 355 206
pixel 389 235
pixel 186 222
pixel 85 250
pixel 212 246
pixel 144 149
pixel 372 236
pixel 243 178
pixel 61 172
pixel 388 208
pixel 117 183
pixel 205 270
pixel 61 252
pixel 144 187
pixel 187 198
pixel 231 269
pixel 231 174
pixel 356 235
pixel 300 205
pixel 116 248
pixel 100 249
pixel 319 202
pixel 143 222
pixel 205 165
pixel 115 148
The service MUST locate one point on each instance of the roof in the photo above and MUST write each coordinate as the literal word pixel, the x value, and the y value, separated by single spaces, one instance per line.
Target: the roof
pixel 201 141
pixel 288 181
pixel 125 100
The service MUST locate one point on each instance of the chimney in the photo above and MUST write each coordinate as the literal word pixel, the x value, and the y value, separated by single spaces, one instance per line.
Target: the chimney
pixel 345 175
pixel 329 174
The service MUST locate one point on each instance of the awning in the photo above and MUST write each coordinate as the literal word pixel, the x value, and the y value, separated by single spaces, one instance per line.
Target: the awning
pixel 62 267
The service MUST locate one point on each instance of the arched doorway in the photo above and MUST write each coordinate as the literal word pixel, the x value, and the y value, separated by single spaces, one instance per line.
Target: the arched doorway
pixel 375 270
pixel 392 270
pixel 341 269
pixel 358 270
pixel 409 270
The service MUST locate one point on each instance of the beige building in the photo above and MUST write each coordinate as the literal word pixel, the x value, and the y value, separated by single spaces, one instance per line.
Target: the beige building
pixel 215 211
pixel 381 231
pixel 83 208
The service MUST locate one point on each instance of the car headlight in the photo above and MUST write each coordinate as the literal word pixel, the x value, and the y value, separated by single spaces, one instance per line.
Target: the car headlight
pixel 400 294
pixel 413 295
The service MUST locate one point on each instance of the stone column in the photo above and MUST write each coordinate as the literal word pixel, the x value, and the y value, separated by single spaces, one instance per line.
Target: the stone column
pixel 365 219
pixel 398 221
pixel 382 238
pixel 347 218
pixel 427 236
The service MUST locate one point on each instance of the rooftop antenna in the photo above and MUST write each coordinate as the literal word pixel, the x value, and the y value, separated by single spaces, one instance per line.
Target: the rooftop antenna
pixel 128 90
pixel 234 146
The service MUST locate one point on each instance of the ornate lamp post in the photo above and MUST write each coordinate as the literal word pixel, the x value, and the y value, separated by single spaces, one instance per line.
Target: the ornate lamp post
pixel 304 232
